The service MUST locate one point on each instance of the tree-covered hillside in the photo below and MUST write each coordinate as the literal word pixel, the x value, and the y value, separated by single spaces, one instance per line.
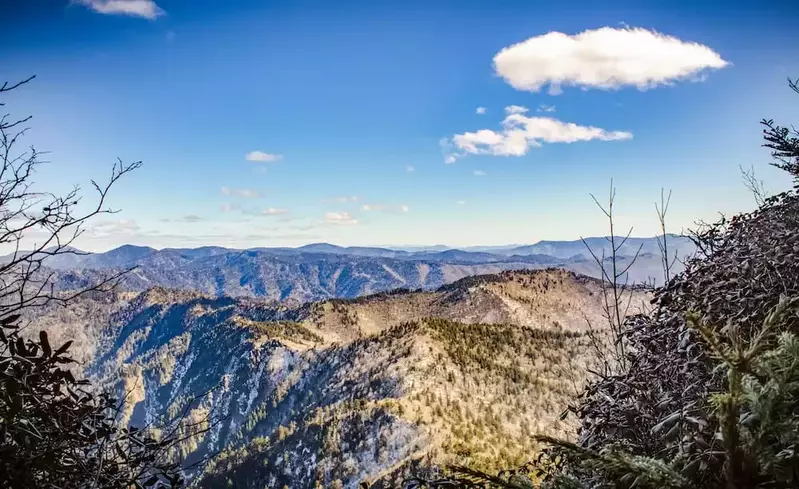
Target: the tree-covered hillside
pixel 710 394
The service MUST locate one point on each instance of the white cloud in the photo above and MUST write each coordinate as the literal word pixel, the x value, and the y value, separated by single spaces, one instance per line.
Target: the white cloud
pixel 385 208
pixel 343 218
pixel 272 211
pixel 606 58
pixel 519 133
pixel 410 169
pixel 189 219
pixel 228 207
pixel 546 108
pixel 516 109
pixel 480 110
pixel 447 150
pixel 136 8
pixel 261 157
pixel 461 202
pixel 240 192
pixel 124 227
pixel 479 173
pixel 343 199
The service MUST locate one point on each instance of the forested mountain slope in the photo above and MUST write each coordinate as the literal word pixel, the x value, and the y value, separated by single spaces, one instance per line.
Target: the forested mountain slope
pixel 317 272
pixel 340 391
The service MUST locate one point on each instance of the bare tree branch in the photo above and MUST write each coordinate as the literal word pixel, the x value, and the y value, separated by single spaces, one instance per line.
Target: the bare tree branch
pixel 54 431
pixel 614 293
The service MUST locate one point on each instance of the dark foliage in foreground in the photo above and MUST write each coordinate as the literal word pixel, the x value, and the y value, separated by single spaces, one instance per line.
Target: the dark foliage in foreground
pixel 711 390
pixel 55 433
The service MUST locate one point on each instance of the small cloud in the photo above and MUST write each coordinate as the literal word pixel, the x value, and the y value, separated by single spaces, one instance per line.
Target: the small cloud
pixel 189 218
pixel 118 227
pixel 546 108
pixel 272 211
pixel 607 59
pixel 343 199
pixel 240 192
pixel 410 169
pixel 261 157
pixel 461 202
pixel 447 150
pixel 519 133
pixel 228 207
pixel 480 110
pixel 342 218
pixel 516 109
pixel 393 209
pixel 479 173
pixel 135 8
pixel 304 227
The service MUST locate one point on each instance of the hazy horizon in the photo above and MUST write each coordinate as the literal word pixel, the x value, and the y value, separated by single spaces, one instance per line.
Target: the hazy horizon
pixel 393 247
pixel 265 124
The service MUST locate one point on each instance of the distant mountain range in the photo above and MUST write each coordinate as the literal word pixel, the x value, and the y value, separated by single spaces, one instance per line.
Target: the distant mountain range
pixel 321 271
pixel 336 392
pixel 317 367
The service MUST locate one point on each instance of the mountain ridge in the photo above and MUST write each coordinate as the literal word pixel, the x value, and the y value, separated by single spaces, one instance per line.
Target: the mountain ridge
pixel 649 244
pixel 322 271
pixel 311 380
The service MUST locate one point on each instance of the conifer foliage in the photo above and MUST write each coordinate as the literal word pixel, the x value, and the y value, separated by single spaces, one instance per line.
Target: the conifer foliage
pixel 710 395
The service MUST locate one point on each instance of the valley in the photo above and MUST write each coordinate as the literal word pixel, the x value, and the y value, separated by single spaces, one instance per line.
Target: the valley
pixel 334 392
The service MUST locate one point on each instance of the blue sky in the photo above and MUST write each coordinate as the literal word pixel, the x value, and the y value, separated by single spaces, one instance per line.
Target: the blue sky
pixel 351 102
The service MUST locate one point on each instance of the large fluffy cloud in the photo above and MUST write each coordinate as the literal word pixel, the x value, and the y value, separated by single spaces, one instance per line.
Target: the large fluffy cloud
pixel 137 8
pixel 519 133
pixel 606 58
